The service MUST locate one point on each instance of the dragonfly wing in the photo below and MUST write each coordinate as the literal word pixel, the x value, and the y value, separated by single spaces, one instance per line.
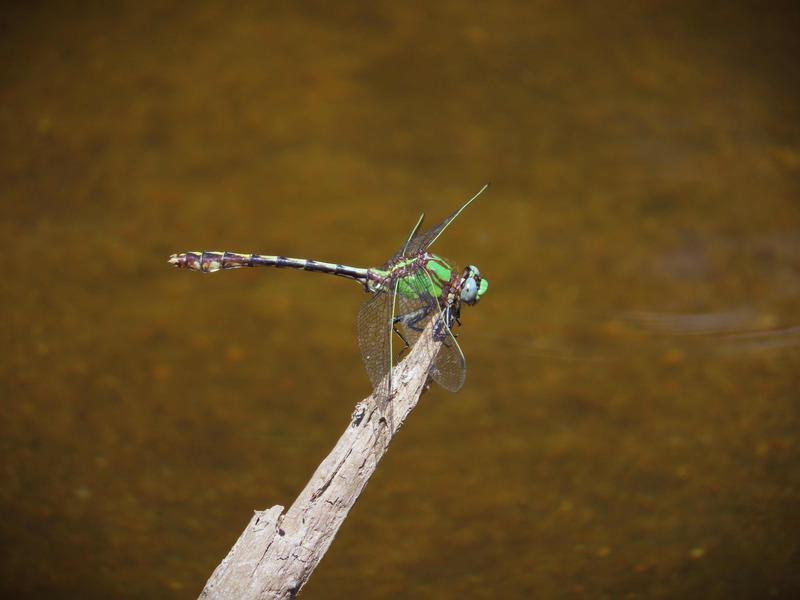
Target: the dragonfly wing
pixel 374 324
pixel 421 241
pixel 450 369
pixel 402 252
pixel 412 235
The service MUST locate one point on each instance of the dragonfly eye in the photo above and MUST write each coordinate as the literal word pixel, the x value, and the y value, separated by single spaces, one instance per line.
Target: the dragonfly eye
pixel 472 285
pixel 469 291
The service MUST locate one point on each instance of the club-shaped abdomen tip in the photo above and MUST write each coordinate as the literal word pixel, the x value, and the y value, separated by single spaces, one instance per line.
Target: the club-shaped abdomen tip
pixel 177 260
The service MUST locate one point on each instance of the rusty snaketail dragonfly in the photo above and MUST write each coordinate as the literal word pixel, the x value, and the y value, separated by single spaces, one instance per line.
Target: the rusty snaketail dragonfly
pixel 405 292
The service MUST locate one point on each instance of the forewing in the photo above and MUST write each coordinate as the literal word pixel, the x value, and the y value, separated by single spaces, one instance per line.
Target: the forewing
pixel 423 239
pixel 420 241
pixel 404 248
pixel 450 369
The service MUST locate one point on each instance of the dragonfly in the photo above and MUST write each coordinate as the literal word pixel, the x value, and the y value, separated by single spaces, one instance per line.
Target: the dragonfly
pixel 409 290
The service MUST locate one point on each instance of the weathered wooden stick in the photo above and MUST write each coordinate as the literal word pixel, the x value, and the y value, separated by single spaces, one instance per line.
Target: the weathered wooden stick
pixel 276 554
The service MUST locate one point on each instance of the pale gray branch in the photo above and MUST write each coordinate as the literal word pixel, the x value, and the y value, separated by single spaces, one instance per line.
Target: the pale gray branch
pixel 276 553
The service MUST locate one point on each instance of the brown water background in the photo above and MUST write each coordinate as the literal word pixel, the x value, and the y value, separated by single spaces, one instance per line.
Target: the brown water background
pixel 629 426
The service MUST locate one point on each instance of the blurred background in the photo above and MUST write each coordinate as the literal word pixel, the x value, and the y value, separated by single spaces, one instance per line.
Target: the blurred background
pixel 629 423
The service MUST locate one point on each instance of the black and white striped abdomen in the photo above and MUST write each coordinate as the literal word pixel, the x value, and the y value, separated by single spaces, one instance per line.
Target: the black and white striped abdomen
pixel 209 262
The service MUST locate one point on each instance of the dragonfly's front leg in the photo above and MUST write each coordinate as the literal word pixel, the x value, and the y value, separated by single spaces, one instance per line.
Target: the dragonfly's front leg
pixel 455 319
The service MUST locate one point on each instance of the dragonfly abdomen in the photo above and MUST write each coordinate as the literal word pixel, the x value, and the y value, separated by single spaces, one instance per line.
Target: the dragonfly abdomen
pixel 209 262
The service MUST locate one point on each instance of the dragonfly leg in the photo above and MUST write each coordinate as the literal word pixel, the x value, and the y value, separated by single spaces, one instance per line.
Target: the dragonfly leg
pixel 409 321
pixel 400 334
pixel 406 345
pixel 412 319
pixel 452 330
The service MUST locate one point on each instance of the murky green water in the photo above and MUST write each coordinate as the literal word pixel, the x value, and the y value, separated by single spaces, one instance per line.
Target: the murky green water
pixel 629 424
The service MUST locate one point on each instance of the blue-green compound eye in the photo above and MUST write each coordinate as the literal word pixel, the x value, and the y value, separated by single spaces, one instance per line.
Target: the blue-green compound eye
pixel 473 285
pixel 469 291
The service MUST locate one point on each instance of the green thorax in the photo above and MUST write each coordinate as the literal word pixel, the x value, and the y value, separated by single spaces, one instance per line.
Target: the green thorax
pixel 440 275
pixel 407 273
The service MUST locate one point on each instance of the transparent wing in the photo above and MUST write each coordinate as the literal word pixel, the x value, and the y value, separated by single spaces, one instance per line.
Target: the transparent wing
pixel 374 324
pixel 421 241
pixel 450 369
pixel 402 252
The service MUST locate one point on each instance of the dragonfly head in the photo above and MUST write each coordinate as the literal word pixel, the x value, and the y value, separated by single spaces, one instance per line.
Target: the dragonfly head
pixel 473 286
